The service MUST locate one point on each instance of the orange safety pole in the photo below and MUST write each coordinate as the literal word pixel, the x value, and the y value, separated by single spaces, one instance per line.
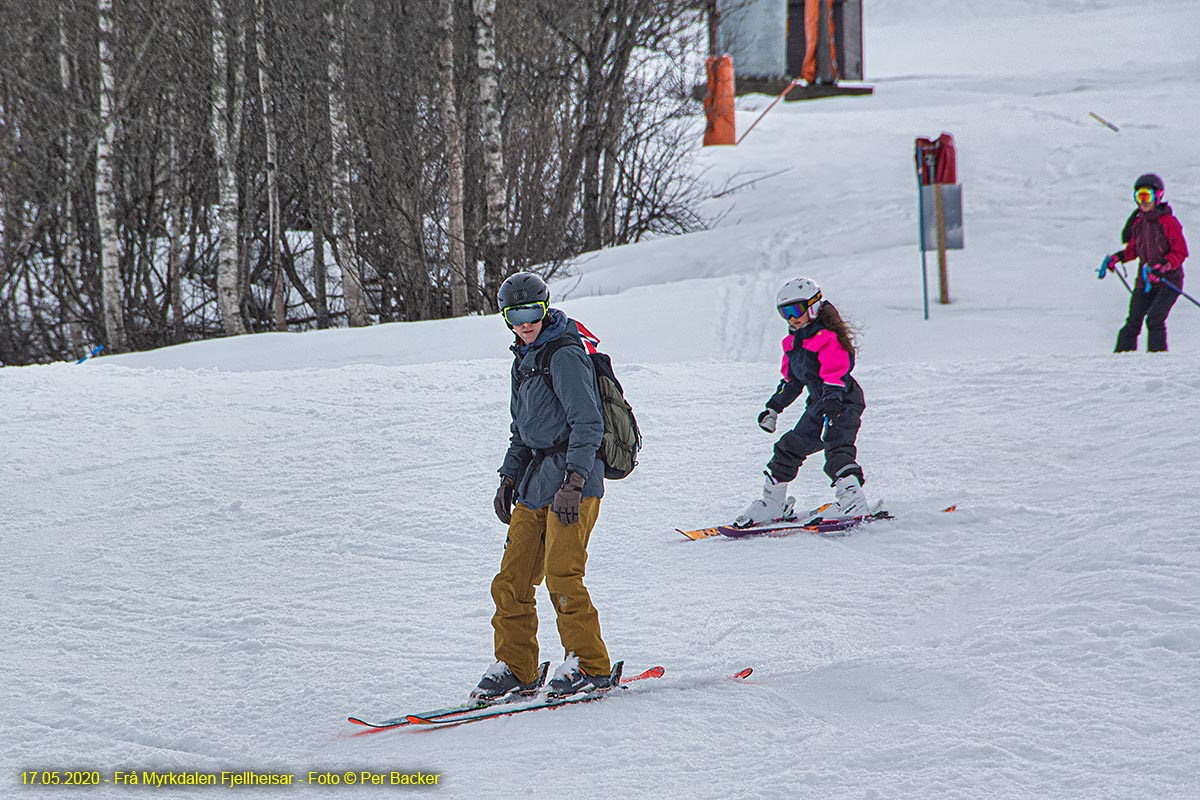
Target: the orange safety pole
pixel 718 103
pixel 812 11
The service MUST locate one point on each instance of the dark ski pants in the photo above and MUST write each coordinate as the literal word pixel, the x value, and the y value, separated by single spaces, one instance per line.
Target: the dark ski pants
pixel 1153 307
pixel 837 442
pixel 539 546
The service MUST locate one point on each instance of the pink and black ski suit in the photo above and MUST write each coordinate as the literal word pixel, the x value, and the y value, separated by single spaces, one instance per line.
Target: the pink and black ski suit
pixel 813 358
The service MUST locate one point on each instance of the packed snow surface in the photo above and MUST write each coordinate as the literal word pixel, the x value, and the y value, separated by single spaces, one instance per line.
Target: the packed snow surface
pixel 215 553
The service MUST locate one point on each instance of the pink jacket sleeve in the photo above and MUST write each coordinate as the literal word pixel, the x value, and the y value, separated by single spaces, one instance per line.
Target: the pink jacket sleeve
pixel 833 358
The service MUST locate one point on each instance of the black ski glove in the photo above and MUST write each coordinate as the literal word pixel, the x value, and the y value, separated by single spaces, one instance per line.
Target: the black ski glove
pixel 504 499
pixel 832 408
pixel 566 499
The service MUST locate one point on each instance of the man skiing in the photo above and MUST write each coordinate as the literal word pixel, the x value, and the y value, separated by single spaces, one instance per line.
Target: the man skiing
pixel 1154 237
pixel 818 354
pixel 551 483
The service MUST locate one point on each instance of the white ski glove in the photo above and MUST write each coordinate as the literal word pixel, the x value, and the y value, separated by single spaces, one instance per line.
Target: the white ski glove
pixel 767 420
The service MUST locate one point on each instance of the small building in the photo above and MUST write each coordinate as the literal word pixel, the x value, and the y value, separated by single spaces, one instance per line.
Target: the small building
pixel 773 42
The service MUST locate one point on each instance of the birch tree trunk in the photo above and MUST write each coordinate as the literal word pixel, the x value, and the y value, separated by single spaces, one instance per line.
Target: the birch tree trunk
pixel 174 232
pixel 279 288
pixel 344 234
pixel 496 214
pixel 226 134
pixel 454 162
pixel 106 207
pixel 71 279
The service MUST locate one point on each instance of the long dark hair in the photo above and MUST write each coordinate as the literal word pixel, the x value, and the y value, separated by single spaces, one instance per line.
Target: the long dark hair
pixel 846 333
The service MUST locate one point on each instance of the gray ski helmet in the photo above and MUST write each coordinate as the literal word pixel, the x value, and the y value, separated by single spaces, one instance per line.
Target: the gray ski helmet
pixel 522 288
pixel 1149 181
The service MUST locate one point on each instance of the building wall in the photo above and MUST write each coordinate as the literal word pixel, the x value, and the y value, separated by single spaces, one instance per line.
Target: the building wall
pixel 754 32
pixel 849 22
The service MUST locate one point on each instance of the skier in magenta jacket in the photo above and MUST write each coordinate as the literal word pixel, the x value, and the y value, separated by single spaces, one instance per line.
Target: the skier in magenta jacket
pixel 1154 237
pixel 818 355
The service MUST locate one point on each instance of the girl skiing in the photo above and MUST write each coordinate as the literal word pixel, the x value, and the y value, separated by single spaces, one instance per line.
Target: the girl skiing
pixel 1154 237
pixel 818 354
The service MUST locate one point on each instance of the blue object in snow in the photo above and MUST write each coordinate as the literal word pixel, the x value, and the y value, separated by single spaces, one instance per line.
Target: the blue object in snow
pixel 95 352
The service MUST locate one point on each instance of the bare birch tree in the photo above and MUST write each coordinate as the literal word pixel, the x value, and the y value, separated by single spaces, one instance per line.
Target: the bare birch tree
pixel 227 136
pixel 344 233
pixel 459 277
pixel 71 277
pixel 106 206
pixel 175 203
pixel 279 288
pixel 541 129
pixel 496 214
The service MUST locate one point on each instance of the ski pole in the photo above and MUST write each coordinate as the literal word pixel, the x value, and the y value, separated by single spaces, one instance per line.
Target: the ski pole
pixel 1108 265
pixel 1146 272
pixel 1170 285
pixel 1106 268
pixel 1121 275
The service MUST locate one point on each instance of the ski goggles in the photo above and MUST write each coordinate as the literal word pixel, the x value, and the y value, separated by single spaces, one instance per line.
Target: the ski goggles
pixel 798 310
pixel 1145 195
pixel 523 315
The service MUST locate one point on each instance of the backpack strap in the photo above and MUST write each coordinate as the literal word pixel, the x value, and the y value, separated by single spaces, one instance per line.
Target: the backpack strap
pixel 540 454
pixel 543 368
pixel 543 360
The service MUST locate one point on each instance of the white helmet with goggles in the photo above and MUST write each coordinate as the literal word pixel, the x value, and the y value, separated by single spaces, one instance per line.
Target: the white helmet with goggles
pixel 796 297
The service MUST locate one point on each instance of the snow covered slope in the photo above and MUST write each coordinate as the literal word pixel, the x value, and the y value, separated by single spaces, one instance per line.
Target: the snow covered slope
pixel 215 553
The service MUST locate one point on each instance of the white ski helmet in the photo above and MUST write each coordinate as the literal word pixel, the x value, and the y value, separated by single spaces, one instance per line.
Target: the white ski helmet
pixel 802 292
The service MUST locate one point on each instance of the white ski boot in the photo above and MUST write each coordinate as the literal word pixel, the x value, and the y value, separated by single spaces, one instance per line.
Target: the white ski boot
pixel 849 500
pixel 774 504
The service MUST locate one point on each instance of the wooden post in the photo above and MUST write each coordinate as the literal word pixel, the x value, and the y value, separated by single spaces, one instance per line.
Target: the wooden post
pixel 939 219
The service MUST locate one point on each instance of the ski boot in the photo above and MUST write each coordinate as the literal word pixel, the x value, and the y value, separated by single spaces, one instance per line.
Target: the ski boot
pixel 774 505
pixel 569 679
pixel 849 501
pixel 499 684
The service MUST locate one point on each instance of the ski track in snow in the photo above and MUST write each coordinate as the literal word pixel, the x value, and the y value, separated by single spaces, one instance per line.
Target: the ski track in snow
pixel 215 553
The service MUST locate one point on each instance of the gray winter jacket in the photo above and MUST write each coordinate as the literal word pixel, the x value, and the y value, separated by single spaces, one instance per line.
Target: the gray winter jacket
pixel 566 421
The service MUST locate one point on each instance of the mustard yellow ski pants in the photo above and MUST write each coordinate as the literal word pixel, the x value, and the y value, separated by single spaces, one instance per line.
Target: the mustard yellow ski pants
pixel 539 546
